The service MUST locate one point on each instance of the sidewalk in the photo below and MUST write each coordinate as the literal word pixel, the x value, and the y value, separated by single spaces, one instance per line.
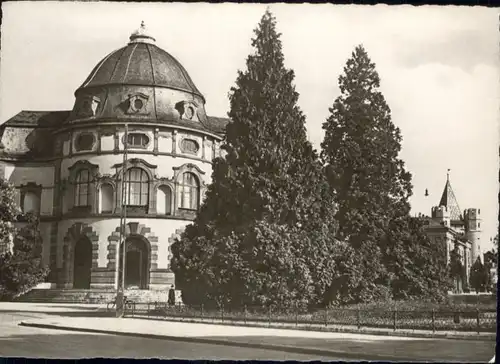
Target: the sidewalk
pixel 345 345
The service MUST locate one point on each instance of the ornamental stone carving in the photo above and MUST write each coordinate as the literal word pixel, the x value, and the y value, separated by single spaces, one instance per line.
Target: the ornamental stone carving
pixel 136 104
pixel 187 110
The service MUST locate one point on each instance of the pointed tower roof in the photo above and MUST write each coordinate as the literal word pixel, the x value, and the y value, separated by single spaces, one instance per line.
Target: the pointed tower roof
pixel 448 199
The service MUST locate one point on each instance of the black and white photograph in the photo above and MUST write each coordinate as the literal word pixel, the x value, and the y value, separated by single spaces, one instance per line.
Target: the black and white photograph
pixel 244 181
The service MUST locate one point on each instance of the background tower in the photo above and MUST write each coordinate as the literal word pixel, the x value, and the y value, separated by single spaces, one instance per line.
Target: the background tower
pixel 472 220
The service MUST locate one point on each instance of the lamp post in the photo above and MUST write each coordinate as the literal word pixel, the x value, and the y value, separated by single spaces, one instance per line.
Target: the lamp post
pixel 120 286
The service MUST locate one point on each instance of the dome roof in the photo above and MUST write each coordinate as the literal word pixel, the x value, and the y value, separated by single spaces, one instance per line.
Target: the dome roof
pixel 141 63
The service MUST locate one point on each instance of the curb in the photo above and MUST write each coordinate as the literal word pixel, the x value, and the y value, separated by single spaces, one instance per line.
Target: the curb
pixel 284 348
pixel 364 331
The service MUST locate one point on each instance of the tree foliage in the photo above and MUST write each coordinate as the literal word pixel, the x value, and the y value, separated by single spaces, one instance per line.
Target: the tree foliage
pixel 372 189
pixel 252 240
pixel 419 268
pixel 8 212
pixel 22 269
pixel 491 264
pixel 479 276
pixel 457 270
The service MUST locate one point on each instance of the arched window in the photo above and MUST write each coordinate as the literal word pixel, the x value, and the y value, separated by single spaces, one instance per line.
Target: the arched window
pixel 137 187
pixel 163 200
pixel 82 188
pixel 31 202
pixel 189 191
pixel 106 198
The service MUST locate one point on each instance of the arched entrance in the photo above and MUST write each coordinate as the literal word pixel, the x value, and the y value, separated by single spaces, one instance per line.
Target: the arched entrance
pixel 82 263
pixel 137 264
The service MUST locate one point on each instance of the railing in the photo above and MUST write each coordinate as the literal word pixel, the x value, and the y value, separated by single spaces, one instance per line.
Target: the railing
pixel 396 320
pixel 128 305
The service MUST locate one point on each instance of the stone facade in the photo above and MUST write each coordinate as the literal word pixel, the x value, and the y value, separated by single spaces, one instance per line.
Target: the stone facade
pixel 68 166
pixel 454 229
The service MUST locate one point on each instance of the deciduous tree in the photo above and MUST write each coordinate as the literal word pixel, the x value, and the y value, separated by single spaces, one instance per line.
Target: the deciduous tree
pixel 21 267
pixel 8 212
pixel 479 276
pixel 418 266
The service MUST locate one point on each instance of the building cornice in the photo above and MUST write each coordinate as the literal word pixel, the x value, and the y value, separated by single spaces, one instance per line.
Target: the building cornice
pixel 135 123
pixel 50 161
pixel 109 216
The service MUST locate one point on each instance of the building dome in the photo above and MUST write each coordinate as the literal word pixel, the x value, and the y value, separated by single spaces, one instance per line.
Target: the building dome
pixel 140 82
pixel 141 63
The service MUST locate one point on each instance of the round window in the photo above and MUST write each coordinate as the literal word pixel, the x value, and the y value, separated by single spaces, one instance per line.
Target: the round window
pixel 189 112
pixel 138 104
pixel 84 141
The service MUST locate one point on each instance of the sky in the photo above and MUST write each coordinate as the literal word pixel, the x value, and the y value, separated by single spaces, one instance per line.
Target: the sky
pixel 439 70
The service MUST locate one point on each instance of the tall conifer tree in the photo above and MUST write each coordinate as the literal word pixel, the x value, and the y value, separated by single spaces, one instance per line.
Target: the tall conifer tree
pixel 372 187
pixel 250 241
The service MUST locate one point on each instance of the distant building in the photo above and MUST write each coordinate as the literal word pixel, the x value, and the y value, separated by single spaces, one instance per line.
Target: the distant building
pixel 455 229
pixel 67 166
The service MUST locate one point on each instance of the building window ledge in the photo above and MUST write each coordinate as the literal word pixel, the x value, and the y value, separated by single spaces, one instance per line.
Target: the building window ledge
pixel 135 209
pixel 82 208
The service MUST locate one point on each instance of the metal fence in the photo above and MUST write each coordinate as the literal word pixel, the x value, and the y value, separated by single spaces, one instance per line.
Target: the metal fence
pixel 431 320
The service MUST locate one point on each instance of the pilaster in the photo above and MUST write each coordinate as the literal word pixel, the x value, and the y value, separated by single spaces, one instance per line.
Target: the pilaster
pixel 174 142
pixel 117 141
pixel 98 142
pixel 203 147
pixel 155 146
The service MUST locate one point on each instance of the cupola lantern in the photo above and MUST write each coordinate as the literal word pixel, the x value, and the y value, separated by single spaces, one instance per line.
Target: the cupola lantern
pixel 141 35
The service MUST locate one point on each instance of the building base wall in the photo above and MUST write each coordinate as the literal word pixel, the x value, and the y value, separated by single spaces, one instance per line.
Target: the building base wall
pixel 103 278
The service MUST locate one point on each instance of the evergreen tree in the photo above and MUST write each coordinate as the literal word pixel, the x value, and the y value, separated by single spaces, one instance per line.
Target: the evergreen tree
pixel 372 188
pixel 249 242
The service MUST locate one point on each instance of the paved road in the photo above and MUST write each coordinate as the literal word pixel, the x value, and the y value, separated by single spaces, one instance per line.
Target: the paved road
pixel 18 341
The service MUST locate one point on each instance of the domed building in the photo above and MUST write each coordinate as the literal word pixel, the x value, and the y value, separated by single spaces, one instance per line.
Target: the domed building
pixel 68 166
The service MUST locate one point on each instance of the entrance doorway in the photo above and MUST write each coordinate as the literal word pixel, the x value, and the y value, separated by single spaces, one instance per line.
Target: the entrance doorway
pixel 82 264
pixel 137 264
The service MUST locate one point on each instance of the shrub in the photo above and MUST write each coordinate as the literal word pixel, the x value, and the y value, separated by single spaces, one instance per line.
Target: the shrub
pixel 22 269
